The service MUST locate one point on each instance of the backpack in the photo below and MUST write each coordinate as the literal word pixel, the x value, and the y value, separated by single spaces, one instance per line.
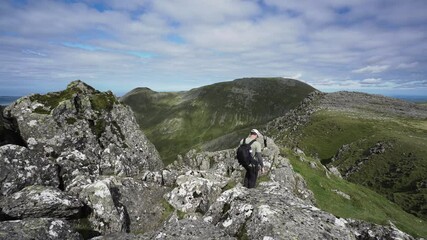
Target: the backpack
pixel 244 156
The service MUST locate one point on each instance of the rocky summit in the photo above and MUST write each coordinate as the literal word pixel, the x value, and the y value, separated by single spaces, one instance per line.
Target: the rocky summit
pixel 86 171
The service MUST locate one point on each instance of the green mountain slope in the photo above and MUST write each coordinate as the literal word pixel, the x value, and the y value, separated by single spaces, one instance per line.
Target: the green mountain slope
pixel 348 200
pixel 201 117
pixel 374 141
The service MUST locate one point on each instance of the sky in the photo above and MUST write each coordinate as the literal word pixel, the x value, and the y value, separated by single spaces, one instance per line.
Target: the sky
pixel 375 46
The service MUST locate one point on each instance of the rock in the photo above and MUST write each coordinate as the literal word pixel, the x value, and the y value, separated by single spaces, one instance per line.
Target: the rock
pixel 82 129
pixel 272 212
pixel 20 167
pixel 284 174
pixel 192 229
pixel 194 193
pixel 145 206
pixel 108 214
pixel 8 131
pixel 39 201
pixel 335 171
pixel 38 228
pixel 370 231
pixel 122 236
pixel 342 194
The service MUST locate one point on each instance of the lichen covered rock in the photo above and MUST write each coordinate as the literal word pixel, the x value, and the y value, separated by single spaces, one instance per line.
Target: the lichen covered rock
pixel 39 201
pixel 20 167
pixel 100 132
pixel 38 228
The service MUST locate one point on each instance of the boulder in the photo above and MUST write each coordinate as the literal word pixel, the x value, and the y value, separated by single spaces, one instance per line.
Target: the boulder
pixel 39 201
pixel 144 203
pixel 20 167
pixel 194 192
pixel 38 228
pixel 108 214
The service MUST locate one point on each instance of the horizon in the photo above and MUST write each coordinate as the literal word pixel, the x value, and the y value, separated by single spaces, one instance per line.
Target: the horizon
pixel 399 95
pixel 368 46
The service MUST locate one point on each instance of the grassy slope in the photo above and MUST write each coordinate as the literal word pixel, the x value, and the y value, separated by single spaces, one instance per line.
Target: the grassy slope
pixel 176 122
pixel 399 173
pixel 364 204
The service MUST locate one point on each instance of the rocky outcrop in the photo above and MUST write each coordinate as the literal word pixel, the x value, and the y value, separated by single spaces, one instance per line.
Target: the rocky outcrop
pixel 77 134
pixel 79 146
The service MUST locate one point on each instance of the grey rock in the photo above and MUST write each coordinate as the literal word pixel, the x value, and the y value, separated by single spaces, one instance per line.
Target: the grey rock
pixel 122 236
pixel 38 229
pixel 125 205
pixel 369 231
pixel 8 133
pixel 342 194
pixel 107 215
pixel 195 193
pixel 39 201
pixel 84 129
pixel 192 229
pixel 144 203
pixel 284 174
pixel 20 167
pixel 335 171
pixel 273 212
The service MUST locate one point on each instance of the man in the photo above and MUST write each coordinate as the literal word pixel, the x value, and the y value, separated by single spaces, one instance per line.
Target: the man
pixel 252 171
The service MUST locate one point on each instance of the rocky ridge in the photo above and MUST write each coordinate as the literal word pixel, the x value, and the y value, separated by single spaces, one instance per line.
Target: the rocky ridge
pixel 359 103
pixel 87 171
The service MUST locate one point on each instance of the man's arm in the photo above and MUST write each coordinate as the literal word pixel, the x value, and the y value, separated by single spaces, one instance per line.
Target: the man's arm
pixel 259 158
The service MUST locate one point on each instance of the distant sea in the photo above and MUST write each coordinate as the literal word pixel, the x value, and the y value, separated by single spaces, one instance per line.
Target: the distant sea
pixel 6 100
pixel 415 99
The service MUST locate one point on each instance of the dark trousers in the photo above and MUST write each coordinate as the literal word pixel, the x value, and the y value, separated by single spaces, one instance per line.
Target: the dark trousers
pixel 251 176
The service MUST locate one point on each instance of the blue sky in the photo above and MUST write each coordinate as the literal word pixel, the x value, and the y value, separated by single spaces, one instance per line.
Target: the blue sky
pixel 376 46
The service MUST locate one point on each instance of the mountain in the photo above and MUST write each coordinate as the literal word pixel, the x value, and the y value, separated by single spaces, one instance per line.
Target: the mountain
pixel 370 140
pixel 212 117
pixel 86 171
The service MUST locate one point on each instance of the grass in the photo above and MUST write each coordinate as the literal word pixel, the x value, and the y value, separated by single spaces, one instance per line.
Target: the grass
pixel 364 204
pixel 398 173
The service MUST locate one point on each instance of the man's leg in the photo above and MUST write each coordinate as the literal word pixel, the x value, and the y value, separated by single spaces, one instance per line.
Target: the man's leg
pixel 254 176
pixel 246 180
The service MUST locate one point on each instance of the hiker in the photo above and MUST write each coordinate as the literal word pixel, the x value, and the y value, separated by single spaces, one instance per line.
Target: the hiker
pixel 249 156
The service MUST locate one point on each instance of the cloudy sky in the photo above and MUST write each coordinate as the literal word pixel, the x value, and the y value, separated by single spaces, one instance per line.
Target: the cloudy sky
pixel 377 46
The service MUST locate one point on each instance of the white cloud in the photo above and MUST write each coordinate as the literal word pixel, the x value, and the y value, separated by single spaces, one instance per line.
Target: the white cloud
pixel 407 65
pixel 206 11
pixel 372 69
pixel 371 81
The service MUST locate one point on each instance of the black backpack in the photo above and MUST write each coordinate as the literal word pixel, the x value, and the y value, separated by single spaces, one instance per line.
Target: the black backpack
pixel 244 155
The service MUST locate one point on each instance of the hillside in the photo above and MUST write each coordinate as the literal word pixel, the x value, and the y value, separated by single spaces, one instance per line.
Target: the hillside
pixel 212 117
pixel 371 140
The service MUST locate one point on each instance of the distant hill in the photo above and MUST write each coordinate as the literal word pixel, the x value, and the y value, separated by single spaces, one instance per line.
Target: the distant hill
pixel 212 117
pixel 375 141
